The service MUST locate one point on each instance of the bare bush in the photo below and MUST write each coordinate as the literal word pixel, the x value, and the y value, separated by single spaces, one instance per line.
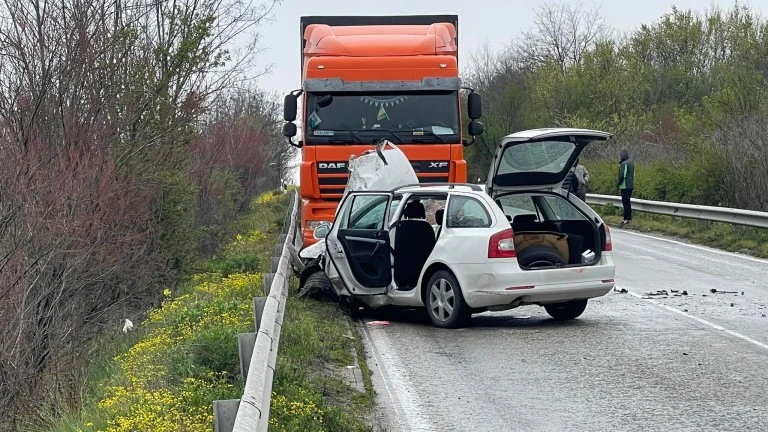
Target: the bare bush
pixel 99 103
pixel 239 152
pixel 741 147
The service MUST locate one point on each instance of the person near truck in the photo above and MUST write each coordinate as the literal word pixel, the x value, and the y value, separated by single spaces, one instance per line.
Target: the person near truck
pixel 626 184
pixel 576 181
pixel 581 175
pixel 571 184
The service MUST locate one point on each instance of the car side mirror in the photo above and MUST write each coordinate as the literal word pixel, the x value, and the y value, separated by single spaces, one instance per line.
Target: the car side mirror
pixel 474 106
pixel 321 231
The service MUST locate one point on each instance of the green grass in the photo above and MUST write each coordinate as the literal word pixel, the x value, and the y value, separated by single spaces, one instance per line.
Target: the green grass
pixel 729 237
pixel 165 375
pixel 314 347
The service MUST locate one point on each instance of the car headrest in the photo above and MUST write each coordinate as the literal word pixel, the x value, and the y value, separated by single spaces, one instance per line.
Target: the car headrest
pixel 524 218
pixel 439 216
pixel 415 210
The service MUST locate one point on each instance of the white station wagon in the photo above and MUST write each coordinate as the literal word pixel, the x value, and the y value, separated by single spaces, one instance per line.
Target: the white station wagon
pixel 457 249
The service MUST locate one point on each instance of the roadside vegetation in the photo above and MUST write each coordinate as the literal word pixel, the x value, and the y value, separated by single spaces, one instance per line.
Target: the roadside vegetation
pixel 685 95
pixel 132 135
pixel 165 374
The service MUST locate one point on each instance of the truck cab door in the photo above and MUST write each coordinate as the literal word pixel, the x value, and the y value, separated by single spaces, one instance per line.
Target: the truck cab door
pixel 358 245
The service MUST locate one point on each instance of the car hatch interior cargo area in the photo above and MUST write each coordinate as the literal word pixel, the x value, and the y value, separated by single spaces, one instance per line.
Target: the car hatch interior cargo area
pixel 549 231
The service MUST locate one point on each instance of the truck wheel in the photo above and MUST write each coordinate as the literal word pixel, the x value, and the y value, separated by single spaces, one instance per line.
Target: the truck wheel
pixel 539 256
pixel 566 310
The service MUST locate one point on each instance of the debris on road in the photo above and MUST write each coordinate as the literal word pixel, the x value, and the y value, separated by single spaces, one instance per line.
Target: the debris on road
pixel 378 323
pixel 716 291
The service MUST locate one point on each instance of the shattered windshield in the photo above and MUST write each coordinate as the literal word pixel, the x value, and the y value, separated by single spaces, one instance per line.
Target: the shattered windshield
pixel 416 117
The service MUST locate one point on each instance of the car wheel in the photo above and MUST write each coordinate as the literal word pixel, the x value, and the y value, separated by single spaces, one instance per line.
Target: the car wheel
pixel 567 310
pixel 318 286
pixel 445 302
pixel 539 256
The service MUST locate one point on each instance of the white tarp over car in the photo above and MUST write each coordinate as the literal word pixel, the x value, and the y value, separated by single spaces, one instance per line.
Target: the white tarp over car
pixel 383 169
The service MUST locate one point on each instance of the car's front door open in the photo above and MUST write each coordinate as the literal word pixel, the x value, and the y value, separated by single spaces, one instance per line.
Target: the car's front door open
pixel 358 244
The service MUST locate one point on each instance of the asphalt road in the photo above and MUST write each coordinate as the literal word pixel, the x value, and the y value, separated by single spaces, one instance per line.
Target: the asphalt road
pixel 632 362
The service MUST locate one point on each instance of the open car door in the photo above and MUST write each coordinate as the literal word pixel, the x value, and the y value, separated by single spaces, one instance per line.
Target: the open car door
pixel 358 246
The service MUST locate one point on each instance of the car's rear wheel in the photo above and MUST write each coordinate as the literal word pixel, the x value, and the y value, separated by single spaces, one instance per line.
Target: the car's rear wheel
pixel 539 256
pixel 566 310
pixel 445 302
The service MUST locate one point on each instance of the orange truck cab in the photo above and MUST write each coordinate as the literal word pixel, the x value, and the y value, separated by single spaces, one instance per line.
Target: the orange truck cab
pixel 365 79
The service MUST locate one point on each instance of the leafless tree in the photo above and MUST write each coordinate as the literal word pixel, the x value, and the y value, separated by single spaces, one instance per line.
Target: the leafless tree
pixel 99 104
pixel 561 33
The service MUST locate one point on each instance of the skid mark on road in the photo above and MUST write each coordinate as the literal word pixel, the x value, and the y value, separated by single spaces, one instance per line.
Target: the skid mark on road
pixel 392 371
pixel 700 320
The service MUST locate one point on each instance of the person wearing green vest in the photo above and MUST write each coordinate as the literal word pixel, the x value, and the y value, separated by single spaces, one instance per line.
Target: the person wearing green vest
pixel 626 184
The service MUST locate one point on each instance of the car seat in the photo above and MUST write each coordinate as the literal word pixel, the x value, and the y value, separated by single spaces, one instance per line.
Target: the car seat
pixel 439 220
pixel 414 241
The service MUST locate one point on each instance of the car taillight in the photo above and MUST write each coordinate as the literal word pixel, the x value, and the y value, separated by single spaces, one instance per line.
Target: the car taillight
pixel 502 245
pixel 608 243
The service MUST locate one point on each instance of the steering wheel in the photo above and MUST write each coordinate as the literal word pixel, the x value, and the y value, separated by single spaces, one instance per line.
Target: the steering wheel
pixel 436 123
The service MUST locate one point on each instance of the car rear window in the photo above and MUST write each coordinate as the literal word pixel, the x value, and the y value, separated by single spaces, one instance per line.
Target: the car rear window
pixel 467 212
pixel 542 207
pixel 562 209
pixel 538 156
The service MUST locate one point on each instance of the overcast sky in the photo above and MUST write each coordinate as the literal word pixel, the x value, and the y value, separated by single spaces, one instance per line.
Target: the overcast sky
pixel 494 22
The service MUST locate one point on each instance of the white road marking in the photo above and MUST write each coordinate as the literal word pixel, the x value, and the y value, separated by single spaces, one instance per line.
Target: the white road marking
pixel 701 320
pixel 405 399
pixel 703 248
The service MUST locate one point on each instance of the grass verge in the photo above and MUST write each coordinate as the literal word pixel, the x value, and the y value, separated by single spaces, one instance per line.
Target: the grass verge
pixel 165 375
pixel 729 237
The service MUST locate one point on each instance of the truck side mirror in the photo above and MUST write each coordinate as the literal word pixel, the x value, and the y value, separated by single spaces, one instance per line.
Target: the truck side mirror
pixel 475 128
pixel 474 106
pixel 289 108
pixel 289 130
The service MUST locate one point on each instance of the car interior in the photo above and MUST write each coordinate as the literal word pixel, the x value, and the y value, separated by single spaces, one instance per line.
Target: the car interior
pixel 568 231
pixel 414 241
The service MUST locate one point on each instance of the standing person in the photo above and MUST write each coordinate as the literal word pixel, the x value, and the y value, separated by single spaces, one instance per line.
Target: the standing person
pixel 626 184
pixel 570 183
pixel 581 174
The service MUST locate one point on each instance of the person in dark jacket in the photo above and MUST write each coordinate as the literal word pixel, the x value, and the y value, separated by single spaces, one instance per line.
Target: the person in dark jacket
pixel 571 183
pixel 581 174
pixel 626 183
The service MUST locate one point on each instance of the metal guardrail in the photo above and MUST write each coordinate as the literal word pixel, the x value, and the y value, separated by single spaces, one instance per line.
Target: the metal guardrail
pixel 708 213
pixel 258 351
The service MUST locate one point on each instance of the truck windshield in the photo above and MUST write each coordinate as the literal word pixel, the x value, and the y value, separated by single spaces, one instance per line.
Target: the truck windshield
pixel 414 117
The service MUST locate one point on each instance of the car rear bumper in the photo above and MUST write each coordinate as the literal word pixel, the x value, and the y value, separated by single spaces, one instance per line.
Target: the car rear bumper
pixel 504 283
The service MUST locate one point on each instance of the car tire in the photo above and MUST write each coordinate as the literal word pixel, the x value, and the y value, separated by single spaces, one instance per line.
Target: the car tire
pixel 318 286
pixel 444 301
pixel 566 310
pixel 540 256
